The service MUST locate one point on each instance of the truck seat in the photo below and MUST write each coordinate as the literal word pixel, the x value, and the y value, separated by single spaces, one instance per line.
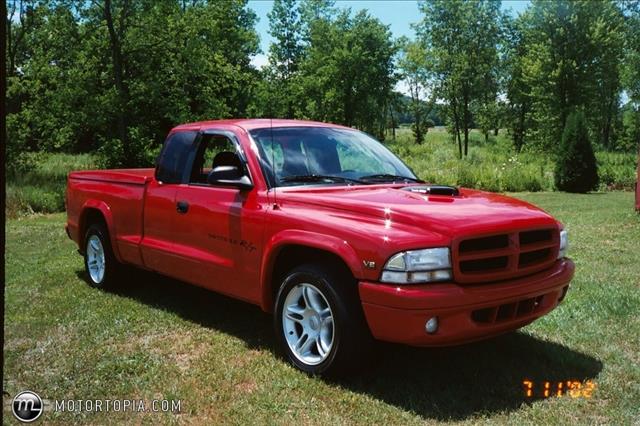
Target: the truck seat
pixel 226 158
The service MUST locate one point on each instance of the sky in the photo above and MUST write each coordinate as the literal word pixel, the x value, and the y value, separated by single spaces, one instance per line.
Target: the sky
pixel 398 14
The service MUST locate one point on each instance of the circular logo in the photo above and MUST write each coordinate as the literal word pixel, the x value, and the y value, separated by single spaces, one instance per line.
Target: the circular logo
pixel 27 406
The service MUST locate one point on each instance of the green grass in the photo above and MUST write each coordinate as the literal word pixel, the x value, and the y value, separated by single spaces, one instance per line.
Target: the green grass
pixel 159 338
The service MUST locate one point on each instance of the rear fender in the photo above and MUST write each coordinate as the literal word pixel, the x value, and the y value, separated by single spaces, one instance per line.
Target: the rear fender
pixel 108 218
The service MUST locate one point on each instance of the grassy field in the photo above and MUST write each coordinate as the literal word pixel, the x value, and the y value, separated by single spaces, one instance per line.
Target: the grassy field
pixel 39 181
pixel 159 338
pixel 494 166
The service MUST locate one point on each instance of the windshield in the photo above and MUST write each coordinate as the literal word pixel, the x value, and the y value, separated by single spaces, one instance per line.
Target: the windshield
pixel 322 155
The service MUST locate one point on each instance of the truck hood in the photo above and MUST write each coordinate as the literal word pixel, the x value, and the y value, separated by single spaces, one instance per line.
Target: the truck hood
pixel 470 212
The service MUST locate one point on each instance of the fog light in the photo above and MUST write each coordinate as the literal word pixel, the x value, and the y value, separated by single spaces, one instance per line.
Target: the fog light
pixel 432 325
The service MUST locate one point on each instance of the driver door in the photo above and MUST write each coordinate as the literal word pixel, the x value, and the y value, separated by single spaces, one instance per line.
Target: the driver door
pixel 218 229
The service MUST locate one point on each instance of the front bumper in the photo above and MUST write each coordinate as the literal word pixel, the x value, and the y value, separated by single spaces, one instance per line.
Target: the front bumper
pixel 465 313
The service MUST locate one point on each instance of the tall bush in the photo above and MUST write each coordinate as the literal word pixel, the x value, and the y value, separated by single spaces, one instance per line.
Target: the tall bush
pixel 576 168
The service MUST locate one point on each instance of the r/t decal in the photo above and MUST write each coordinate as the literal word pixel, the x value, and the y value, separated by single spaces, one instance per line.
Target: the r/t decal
pixel 246 245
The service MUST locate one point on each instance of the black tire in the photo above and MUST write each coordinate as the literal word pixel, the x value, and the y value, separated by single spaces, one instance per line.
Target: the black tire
pixel 111 265
pixel 351 337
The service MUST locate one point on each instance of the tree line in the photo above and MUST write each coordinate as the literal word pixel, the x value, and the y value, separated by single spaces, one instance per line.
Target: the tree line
pixel 115 75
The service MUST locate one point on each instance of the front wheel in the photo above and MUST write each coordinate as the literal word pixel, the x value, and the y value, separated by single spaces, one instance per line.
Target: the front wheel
pixel 318 320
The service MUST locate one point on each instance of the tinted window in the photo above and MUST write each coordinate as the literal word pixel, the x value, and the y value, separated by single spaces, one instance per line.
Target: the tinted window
pixel 173 158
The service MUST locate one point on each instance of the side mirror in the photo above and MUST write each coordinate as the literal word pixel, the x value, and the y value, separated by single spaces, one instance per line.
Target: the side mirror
pixel 229 176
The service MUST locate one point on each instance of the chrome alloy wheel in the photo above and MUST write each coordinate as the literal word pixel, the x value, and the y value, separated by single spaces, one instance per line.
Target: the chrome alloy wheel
pixel 95 259
pixel 307 322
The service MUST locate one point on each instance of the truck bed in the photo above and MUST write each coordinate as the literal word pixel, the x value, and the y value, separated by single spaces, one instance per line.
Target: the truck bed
pixel 119 195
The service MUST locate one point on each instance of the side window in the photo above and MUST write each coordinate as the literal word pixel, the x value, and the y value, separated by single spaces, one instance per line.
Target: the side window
pixel 214 150
pixel 174 156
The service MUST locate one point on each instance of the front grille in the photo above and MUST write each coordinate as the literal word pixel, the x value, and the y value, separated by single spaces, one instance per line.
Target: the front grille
pixel 518 309
pixel 505 255
pixel 489 264
pixel 533 257
pixel 532 237
pixel 508 311
pixel 486 243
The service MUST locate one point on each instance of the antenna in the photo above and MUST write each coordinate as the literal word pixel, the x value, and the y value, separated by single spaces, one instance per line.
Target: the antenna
pixel 273 165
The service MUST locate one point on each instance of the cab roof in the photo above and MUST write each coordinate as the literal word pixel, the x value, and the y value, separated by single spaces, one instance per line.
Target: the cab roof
pixel 254 123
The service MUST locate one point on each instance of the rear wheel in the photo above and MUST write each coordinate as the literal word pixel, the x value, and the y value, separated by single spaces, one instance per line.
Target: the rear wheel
pixel 99 262
pixel 318 320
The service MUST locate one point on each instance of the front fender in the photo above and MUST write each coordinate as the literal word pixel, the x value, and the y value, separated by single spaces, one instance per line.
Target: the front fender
pixel 328 243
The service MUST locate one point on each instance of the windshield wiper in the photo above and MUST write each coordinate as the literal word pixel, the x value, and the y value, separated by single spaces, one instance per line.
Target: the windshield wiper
pixel 389 177
pixel 318 178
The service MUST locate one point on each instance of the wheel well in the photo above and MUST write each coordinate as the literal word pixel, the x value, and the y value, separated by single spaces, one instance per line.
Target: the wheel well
pixel 89 217
pixel 293 255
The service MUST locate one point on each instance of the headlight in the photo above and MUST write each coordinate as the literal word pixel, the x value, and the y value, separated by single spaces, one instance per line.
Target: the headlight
pixel 564 244
pixel 418 266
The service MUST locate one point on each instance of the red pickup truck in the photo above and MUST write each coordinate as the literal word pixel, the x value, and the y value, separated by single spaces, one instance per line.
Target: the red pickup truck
pixel 325 228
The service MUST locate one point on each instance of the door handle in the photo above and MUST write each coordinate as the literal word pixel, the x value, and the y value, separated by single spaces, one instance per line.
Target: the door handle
pixel 182 207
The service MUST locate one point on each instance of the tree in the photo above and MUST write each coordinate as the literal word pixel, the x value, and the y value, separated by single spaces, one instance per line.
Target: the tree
pixel 19 22
pixel 570 60
pixel 518 109
pixel 313 11
pixel 44 85
pixel 395 109
pixel 285 54
pixel 631 67
pixel 117 74
pixel 116 39
pixel 630 139
pixel 487 116
pixel 576 168
pixel 462 38
pixel 414 69
pixel 606 36
pixel 347 75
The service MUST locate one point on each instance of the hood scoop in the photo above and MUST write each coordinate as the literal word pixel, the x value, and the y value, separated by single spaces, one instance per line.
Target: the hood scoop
pixel 451 191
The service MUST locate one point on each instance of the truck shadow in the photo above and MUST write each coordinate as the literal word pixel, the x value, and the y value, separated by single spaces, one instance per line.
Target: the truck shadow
pixel 479 378
pixel 435 383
